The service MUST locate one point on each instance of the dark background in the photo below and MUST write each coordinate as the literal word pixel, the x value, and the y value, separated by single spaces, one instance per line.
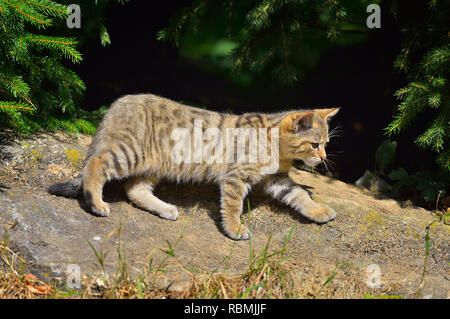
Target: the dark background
pixel 360 79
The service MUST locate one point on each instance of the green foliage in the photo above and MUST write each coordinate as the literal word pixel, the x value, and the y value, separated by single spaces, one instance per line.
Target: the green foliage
pixel 385 155
pixel 430 184
pixel 281 37
pixel 37 89
pixel 286 38
pixel 428 73
pixel 34 84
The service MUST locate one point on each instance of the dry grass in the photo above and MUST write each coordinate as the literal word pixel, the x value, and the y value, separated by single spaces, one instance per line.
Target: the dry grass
pixel 267 277
pixel 12 281
pixel 270 274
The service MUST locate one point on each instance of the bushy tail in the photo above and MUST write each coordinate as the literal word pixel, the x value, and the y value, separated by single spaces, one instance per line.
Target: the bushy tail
pixel 69 189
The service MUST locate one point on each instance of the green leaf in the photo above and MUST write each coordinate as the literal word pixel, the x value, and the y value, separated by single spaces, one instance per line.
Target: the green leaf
pixel 104 36
pixel 385 155
pixel 401 176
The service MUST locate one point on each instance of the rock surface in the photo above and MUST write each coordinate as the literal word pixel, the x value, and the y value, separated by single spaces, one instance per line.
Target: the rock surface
pixel 52 233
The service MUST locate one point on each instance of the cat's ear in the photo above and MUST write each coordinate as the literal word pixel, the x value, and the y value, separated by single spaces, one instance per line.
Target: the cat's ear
pixel 297 122
pixel 327 114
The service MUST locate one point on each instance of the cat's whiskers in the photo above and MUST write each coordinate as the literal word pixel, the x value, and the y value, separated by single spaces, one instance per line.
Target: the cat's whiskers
pixel 331 164
pixel 335 132
pixel 327 167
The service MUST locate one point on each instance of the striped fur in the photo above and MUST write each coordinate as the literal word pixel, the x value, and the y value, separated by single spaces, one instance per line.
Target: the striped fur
pixel 134 141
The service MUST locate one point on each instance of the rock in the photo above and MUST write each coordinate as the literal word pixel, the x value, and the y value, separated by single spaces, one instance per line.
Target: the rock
pixel 373 182
pixel 54 233
pixel 180 286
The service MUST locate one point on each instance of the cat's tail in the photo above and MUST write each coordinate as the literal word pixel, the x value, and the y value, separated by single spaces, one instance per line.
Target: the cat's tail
pixel 69 189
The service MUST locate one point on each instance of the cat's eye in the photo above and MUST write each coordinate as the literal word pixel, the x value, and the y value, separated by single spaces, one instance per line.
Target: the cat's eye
pixel 314 145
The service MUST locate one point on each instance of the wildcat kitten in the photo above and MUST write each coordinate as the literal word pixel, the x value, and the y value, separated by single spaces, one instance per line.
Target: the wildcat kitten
pixel 135 140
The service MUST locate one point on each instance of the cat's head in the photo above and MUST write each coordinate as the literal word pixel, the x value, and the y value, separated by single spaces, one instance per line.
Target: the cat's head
pixel 304 135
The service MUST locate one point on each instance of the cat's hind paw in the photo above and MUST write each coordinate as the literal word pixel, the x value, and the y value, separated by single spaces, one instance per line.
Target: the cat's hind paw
pixel 171 213
pixel 320 213
pixel 240 232
pixel 101 209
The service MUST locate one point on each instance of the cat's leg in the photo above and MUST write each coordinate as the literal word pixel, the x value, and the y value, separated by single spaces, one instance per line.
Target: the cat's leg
pixel 281 187
pixel 94 177
pixel 232 193
pixel 140 192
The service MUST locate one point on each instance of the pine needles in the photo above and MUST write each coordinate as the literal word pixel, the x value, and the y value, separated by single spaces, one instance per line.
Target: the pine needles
pixel 428 89
pixel 276 35
pixel 36 91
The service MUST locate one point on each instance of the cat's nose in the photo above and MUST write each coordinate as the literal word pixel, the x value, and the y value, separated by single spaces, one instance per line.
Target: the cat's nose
pixel 323 157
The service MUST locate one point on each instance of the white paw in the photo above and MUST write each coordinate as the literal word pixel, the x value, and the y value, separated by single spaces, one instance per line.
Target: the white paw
pixel 245 234
pixel 171 212
pixel 242 232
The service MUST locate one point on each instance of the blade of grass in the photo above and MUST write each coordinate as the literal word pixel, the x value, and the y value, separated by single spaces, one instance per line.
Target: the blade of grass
pixel 329 279
pixel 248 290
pixel 428 243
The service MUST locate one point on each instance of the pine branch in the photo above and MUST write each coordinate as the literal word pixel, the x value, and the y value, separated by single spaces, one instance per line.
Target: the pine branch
pixel 259 16
pixel 104 36
pixel 406 115
pixel 444 160
pixel 16 86
pixel 29 14
pixel 36 90
pixel 6 105
pixel 174 31
pixel 49 7
pixel 62 44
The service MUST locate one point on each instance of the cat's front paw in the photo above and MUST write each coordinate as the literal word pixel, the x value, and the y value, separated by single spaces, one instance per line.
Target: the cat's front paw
pixel 319 213
pixel 237 231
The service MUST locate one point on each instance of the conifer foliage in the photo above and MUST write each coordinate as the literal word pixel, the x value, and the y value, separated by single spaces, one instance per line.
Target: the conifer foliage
pixel 425 59
pixel 36 90
pixel 278 35
pixel 281 36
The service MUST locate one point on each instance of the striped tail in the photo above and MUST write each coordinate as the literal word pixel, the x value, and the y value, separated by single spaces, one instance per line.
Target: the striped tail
pixel 69 189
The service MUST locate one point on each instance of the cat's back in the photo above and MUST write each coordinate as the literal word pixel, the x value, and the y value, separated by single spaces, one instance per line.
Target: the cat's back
pixel 149 119
pixel 158 109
